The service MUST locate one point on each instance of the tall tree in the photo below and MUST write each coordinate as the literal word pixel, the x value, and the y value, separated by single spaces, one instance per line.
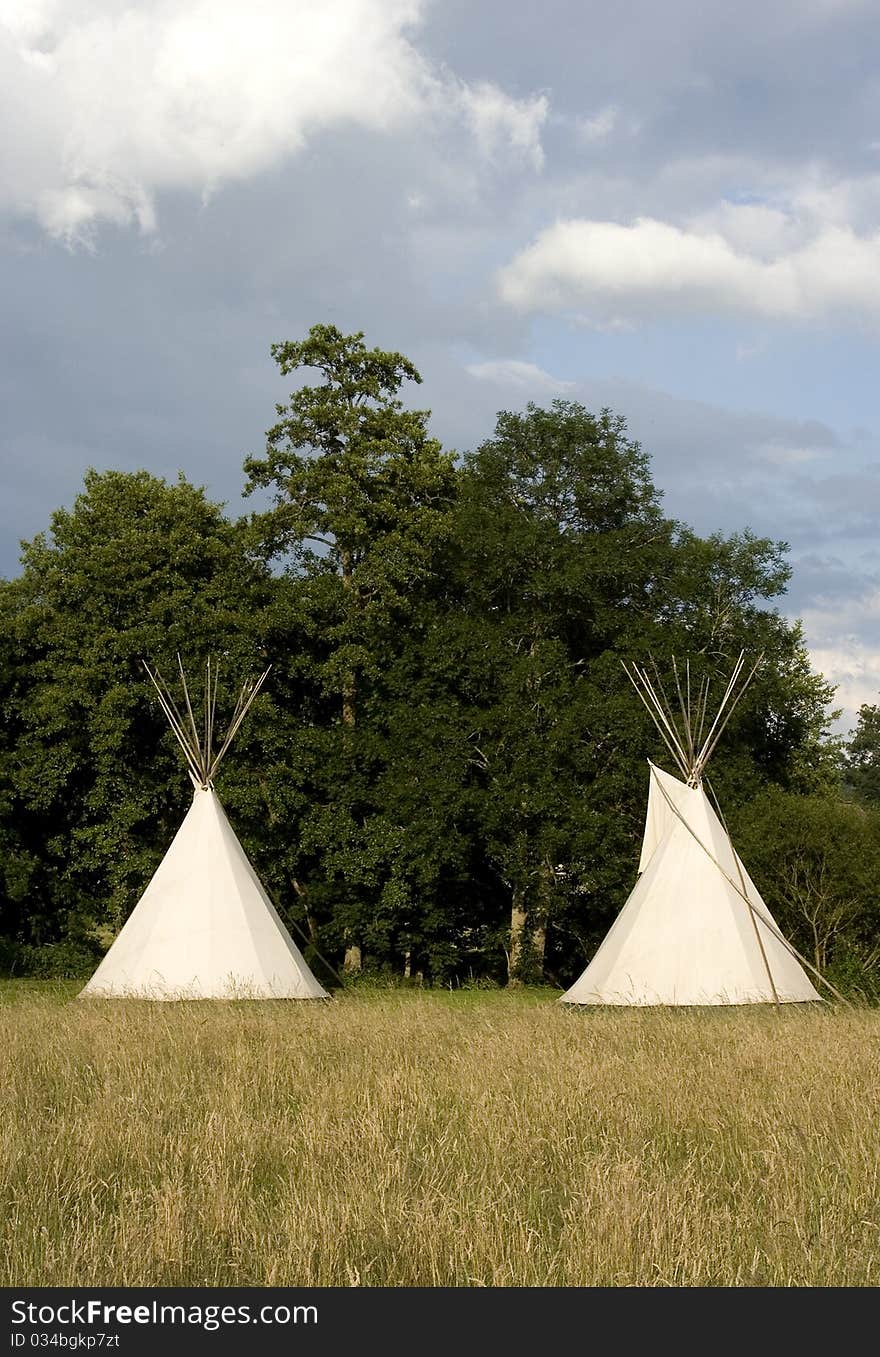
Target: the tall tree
pixel 568 566
pixel 361 497
pixel 561 541
pixel 137 568
pixel 360 490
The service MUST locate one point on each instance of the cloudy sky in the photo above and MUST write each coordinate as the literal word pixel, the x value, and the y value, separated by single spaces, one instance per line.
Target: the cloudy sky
pixel 673 210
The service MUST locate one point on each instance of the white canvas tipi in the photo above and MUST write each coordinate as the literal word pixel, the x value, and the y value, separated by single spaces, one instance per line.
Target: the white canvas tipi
pixel 695 929
pixel 204 928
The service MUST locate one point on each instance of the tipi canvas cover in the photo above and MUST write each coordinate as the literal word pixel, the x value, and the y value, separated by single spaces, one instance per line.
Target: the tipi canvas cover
pixel 695 929
pixel 204 928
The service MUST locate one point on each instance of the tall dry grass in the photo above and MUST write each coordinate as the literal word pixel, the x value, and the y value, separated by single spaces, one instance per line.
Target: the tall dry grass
pixel 407 1139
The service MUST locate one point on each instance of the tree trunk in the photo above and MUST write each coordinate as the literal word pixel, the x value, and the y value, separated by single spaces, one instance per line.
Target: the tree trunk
pixel 302 894
pixel 517 936
pixel 817 945
pixel 349 679
pixel 539 942
pixel 353 960
pixel 539 928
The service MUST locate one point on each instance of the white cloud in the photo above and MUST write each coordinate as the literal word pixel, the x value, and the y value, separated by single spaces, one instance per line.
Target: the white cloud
pixel 738 263
pixel 600 126
pixel 855 673
pixel 522 376
pixel 842 632
pixel 757 229
pixel 106 103
pixel 854 668
pixel 498 120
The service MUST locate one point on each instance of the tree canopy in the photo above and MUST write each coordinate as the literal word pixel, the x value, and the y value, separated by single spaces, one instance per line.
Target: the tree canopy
pixel 445 774
pixel 136 568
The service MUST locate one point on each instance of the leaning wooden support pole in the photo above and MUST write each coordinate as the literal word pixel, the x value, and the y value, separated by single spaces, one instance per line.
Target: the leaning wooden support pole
pixel 745 894
pixel 198 748
pixel 176 724
pixel 709 746
pixel 642 685
pixel 192 721
pixel 246 697
pixel 683 734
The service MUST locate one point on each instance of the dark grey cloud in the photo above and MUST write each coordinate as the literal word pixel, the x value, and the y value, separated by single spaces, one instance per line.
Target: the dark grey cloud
pixel 152 348
pixel 155 352
pixel 831 581
pixel 790 80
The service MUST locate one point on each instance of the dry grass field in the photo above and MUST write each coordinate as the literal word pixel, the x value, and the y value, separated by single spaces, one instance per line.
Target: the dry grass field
pixel 401 1138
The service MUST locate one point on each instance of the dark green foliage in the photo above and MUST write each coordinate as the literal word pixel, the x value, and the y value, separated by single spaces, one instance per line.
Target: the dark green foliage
pixel 559 546
pixel 362 498
pixel 92 786
pixel 360 488
pixel 446 770
pixel 861 758
pixel 564 566
pixel 816 861
pixel 72 958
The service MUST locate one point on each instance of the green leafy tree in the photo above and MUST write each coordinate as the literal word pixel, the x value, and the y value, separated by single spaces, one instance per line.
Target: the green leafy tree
pixel 861 757
pixel 714 605
pixel 560 543
pixel 446 773
pixel 568 566
pixel 816 860
pixel 361 497
pixel 361 493
pixel 92 778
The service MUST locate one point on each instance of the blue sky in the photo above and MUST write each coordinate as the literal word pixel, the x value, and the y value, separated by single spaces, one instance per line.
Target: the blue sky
pixel 670 209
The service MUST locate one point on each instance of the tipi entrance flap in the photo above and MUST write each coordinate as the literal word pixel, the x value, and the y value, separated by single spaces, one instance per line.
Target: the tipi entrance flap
pixel 664 793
